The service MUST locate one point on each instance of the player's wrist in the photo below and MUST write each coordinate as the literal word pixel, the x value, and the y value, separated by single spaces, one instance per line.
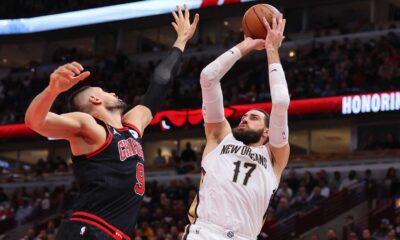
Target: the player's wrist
pixel 244 48
pixel 180 43
pixel 51 91
pixel 271 47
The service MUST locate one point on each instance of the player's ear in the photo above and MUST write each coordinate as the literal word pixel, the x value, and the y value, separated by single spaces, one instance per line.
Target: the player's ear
pixel 95 100
pixel 265 132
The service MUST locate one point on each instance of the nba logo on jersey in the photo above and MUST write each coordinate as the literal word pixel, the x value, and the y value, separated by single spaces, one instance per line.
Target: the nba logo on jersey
pixel 134 134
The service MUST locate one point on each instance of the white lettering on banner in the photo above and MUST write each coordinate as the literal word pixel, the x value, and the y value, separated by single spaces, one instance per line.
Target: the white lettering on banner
pixel 385 102
pixel 377 102
pixel 392 102
pixel 397 101
pixel 356 105
pixel 346 105
pixel 366 103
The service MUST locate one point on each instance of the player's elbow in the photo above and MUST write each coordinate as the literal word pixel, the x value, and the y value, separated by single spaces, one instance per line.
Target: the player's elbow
pixel 31 122
pixel 280 98
pixel 207 77
pixel 162 75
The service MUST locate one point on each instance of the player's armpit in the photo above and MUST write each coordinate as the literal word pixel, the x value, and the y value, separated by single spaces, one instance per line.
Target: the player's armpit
pixel 217 131
pixel 139 116
pixel 281 158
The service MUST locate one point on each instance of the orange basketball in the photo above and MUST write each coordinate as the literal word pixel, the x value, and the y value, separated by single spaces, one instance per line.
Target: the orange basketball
pixel 252 22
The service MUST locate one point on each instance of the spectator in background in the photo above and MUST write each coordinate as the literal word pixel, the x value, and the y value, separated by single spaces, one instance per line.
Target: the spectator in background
pixel 351 227
pixel 314 236
pixel 397 226
pixel 336 181
pixel 331 234
pixel 300 201
pixel 325 191
pixel 316 196
pixel 188 155
pixel 372 143
pixel 366 235
pixel 3 196
pixel 24 212
pixel 309 181
pixel 352 179
pixel 391 142
pixel 370 182
pixel 283 210
pixel 391 235
pixel 293 181
pixel 391 182
pixel 30 235
pixel 383 230
pixel 284 190
pixel 159 160
pixel 45 203
pixel 352 236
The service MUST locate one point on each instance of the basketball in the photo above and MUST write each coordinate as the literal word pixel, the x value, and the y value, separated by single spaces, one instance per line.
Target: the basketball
pixel 252 22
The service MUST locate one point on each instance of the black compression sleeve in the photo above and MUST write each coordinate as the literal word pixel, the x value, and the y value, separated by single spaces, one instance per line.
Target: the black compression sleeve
pixel 162 77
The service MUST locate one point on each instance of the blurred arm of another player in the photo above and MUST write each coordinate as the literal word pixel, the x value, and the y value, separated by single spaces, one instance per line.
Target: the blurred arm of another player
pixel 142 114
pixel 39 118
pixel 216 126
pixel 278 124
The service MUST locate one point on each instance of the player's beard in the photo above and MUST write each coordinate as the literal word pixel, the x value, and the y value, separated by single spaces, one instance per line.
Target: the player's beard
pixel 247 136
pixel 119 106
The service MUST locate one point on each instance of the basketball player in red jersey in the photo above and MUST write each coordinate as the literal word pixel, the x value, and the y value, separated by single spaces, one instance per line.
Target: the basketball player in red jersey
pixel 106 146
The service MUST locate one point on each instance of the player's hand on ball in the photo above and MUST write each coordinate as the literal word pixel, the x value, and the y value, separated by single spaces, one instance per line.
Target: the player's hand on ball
pixel 254 44
pixel 182 25
pixel 66 76
pixel 275 32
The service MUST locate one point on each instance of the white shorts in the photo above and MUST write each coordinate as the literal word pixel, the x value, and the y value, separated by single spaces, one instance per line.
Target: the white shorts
pixel 202 230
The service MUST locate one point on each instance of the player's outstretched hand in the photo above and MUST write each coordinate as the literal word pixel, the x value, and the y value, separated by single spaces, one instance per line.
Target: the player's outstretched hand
pixel 275 33
pixel 66 76
pixel 182 25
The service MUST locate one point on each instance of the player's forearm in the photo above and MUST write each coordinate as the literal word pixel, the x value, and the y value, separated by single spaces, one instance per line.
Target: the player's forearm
pixel 162 77
pixel 37 111
pixel 214 71
pixel 278 127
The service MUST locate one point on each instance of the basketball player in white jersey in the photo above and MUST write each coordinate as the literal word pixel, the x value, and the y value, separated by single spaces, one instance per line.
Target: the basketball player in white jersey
pixel 241 167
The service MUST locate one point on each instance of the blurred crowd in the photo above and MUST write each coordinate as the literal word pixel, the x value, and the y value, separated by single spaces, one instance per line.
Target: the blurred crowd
pixel 314 70
pixel 163 214
pixel 26 206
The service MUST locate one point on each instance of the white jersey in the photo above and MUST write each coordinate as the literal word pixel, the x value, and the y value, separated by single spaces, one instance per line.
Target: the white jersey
pixel 236 187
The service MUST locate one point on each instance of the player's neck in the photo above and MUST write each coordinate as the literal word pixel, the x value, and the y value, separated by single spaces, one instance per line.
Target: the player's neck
pixel 112 118
pixel 257 144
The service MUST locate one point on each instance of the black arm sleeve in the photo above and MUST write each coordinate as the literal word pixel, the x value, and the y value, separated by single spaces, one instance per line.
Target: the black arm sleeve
pixel 162 77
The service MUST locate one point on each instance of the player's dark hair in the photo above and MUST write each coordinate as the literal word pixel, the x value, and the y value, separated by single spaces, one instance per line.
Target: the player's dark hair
pixel 72 105
pixel 266 116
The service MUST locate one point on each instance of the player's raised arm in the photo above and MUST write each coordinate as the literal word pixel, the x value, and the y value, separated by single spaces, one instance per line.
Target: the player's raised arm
pixel 278 126
pixel 38 116
pixel 216 126
pixel 141 115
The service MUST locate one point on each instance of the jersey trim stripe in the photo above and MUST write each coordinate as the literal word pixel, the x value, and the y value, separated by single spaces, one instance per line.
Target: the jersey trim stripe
pixel 78 215
pixel 186 232
pixel 104 146
pixel 196 201
pixel 133 127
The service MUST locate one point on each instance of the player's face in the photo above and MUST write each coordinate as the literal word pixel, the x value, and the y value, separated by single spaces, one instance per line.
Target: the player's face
pixel 111 100
pixel 251 127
